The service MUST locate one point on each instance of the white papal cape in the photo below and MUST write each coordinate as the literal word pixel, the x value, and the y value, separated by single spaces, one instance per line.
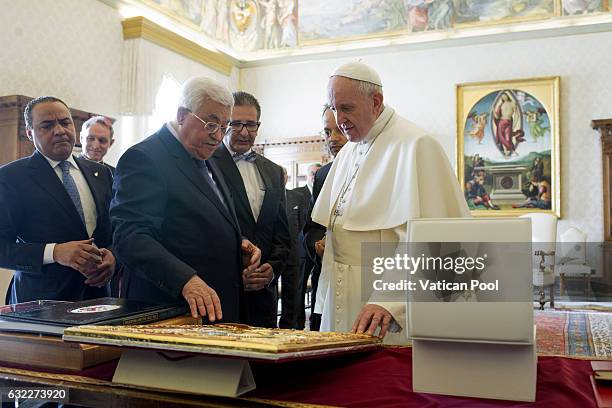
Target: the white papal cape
pixel 403 175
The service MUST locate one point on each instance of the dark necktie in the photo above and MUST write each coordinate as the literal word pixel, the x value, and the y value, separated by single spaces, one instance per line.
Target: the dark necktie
pixel 71 188
pixel 203 167
pixel 249 157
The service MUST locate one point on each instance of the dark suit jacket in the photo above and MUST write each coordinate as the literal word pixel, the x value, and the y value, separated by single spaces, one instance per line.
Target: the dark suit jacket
pixel 303 191
pixel 170 225
pixel 292 299
pixel 111 168
pixel 35 210
pixel 108 166
pixel 269 232
pixel 313 231
pixel 297 214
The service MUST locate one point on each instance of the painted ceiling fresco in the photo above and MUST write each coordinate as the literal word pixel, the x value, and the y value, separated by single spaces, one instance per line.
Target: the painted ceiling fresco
pixel 251 25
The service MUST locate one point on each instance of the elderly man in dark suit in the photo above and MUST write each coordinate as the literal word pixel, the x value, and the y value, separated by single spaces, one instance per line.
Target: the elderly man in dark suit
pixel 55 230
pixel 175 226
pixel 258 190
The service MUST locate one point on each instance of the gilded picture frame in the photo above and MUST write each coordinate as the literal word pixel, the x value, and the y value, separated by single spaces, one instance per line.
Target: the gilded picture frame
pixel 508 155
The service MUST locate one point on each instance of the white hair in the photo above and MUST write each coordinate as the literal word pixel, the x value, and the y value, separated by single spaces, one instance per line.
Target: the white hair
pixel 368 88
pixel 197 90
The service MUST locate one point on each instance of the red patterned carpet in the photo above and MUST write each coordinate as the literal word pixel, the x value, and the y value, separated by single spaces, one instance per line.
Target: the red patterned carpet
pixel 574 334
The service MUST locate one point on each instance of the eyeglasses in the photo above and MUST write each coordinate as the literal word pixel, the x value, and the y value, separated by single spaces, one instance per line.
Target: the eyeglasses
pixel 211 127
pixel 237 126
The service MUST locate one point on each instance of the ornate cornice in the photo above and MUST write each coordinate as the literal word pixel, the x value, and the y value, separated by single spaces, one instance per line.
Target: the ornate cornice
pixel 140 27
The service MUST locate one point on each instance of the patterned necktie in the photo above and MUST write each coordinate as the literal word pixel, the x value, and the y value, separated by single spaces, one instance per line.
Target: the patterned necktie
pixel 249 157
pixel 71 188
pixel 203 167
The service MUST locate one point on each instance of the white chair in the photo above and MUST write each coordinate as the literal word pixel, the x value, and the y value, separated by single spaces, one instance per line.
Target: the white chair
pixel 572 263
pixel 544 239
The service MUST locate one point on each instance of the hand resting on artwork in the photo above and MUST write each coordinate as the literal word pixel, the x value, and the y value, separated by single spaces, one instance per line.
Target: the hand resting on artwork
pixel 371 318
pixel 202 299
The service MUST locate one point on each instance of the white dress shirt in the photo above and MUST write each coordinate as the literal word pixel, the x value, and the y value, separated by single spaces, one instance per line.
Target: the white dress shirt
pixel 253 183
pixel 87 201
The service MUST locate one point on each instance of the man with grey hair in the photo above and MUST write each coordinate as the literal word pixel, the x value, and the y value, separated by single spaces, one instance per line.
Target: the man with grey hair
pixel 390 172
pixel 175 224
pixel 97 136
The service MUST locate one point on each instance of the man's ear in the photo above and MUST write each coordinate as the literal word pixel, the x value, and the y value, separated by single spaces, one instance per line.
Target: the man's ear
pixel 378 101
pixel 111 142
pixel 181 114
pixel 29 134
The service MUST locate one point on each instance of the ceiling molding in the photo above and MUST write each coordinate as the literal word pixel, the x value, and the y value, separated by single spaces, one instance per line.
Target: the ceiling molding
pixel 222 58
pixel 140 27
pixel 564 26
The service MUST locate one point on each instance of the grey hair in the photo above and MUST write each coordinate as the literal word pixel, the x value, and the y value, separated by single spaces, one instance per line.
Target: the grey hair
pixel 368 88
pixel 197 90
pixel 101 120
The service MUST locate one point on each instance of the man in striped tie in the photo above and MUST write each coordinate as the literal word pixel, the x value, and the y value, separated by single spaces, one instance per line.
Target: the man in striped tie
pixel 55 229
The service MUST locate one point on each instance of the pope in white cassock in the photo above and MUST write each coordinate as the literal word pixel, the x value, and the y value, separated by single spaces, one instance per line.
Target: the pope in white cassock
pixel 389 173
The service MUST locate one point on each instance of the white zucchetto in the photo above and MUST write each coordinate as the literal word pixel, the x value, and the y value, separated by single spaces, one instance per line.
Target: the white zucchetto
pixel 359 71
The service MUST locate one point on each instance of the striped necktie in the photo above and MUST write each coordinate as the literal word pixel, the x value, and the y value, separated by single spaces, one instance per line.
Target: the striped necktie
pixel 71 188
pixel 203 167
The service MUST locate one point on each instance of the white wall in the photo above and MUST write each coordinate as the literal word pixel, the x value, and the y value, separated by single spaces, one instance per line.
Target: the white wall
pixel 70 49
pixel 420 85
pixel 156 62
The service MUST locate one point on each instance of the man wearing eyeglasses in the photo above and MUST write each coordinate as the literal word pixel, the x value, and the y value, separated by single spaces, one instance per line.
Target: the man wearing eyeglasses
pixel 175 223
pixel 258 191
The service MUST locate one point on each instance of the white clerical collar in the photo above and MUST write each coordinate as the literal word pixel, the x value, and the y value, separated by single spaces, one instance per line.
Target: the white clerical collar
pixel 226 142
pixel 379 124
pixel 54 163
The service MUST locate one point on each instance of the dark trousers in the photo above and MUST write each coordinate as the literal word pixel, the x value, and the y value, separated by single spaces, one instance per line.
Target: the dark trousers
pixel 291 279
pixel 312 270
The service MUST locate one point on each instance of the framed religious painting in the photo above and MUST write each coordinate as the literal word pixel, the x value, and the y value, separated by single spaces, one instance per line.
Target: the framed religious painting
pixel 508 146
